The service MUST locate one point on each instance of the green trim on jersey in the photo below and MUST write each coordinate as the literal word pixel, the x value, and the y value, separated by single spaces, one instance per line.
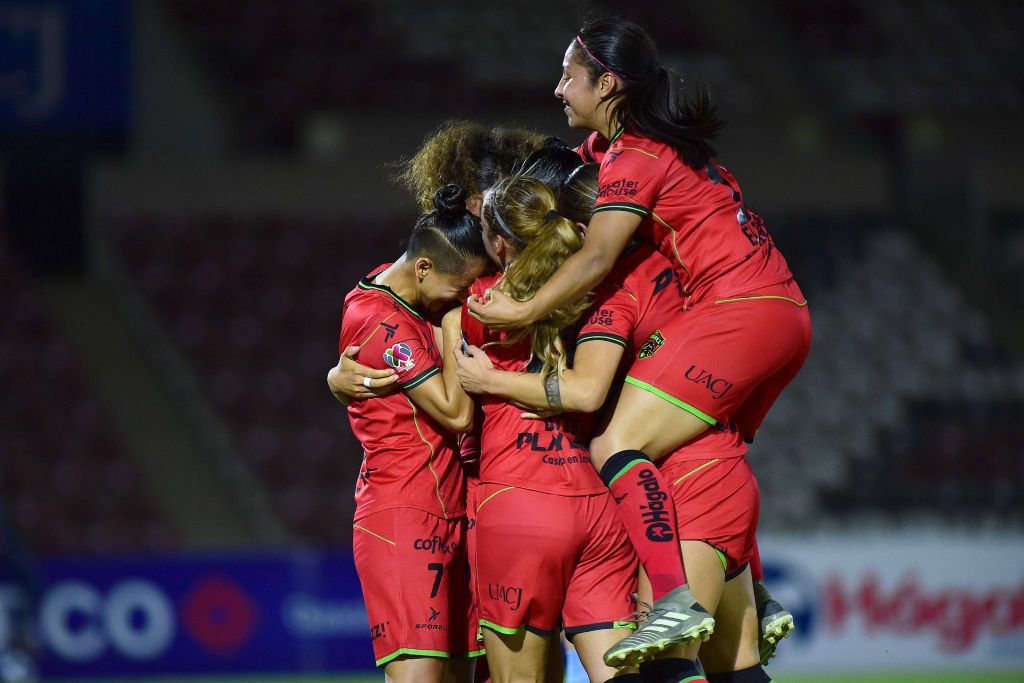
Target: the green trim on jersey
pixel 411 651
pixel 502 629
pixel 696 412
pixel 633 208
pixel 627 468
pixel 367 283
pixel 601 336
pixel 420 378
pixel 617 135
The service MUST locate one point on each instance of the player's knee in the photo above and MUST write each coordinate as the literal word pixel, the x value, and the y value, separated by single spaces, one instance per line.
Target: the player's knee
pixel 605 446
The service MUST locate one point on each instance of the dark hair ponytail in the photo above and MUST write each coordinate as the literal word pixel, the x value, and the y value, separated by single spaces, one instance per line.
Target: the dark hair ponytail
pixel 552 163
pixel 650 100
pixel 449 235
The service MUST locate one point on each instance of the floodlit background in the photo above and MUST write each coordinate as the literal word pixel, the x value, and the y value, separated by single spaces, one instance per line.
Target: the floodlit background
pixel 190 187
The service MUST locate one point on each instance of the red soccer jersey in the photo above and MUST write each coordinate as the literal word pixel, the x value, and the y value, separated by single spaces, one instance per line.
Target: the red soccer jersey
pixel 409 460
pixel 550 455
pixel 640 293
pixel 696 218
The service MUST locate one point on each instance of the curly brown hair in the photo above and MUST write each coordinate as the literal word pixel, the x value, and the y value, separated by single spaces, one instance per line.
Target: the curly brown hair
pixel 467 153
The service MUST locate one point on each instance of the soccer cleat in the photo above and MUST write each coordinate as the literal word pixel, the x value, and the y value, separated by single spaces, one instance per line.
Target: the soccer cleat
pixel 674 619
pixel 774 623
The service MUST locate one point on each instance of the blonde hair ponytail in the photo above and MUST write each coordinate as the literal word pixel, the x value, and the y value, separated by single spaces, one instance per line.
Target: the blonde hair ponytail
pixel 524 209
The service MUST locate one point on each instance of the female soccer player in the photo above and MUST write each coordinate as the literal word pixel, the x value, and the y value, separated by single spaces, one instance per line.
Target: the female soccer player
pixel 550 547
pixel 410 499
pixel 744 330
pixel 475 156
pixel 715 527
pixel 466 153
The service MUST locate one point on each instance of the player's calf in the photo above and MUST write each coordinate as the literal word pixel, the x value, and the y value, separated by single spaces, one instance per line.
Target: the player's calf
pixel 774 622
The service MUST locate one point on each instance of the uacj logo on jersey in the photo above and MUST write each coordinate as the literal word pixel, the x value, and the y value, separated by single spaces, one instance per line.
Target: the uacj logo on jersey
pixel 399 357
pixel 652 345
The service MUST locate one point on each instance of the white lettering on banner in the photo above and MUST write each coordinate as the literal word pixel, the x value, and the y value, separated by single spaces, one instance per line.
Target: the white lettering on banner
pixel 136 618
pixel 153 636
pixel 899 601
pixel 61 603
pixel 310 616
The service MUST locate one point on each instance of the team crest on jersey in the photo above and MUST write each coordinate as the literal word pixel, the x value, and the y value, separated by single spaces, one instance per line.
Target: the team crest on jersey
pixel 399 357
pixel 652 345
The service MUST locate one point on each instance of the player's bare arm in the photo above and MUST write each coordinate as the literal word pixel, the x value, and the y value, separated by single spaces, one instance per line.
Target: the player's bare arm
pixel 607 236
pixel 351 381
pixel 442 397
pixel 582 389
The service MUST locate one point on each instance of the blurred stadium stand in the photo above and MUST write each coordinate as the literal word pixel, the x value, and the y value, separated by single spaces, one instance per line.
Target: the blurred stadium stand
pixel 67 481
pixel 914 56
pixel 242 248
pixel 255 305
pixel 177 244
pixel 900 359
pixel 287 62
pixel 254 302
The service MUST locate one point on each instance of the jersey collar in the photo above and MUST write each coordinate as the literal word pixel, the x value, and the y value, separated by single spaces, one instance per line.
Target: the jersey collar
pixel 617 135
pixel 367 284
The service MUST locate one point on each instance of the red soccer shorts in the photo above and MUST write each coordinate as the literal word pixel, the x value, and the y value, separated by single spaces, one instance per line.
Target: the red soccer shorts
pixel 728 359
pixel 718 502
pixel 546 560
pixel 412 567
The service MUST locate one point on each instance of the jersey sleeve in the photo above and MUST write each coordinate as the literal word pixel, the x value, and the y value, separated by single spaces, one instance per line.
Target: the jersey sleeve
pixel 630 180
pixel 613 316
pixel 593 148
pixel 405 347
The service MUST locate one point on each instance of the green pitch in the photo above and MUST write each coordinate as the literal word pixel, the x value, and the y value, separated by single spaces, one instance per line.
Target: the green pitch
pixel 909 678
pixel 1008 677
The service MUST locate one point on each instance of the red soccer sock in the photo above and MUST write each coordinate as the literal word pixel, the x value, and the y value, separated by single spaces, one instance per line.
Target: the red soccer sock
pixel 645 506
